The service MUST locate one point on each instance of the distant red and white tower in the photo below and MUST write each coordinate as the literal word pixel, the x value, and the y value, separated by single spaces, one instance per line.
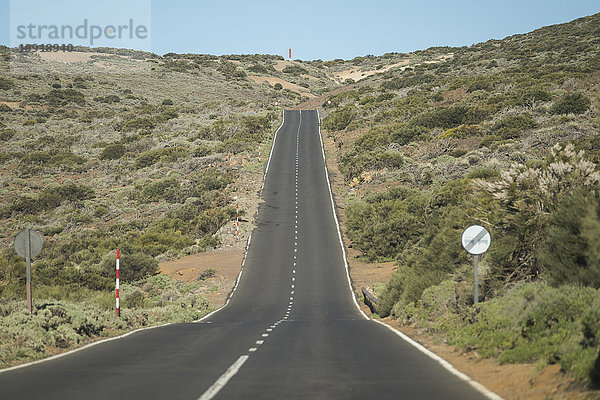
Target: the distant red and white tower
pixel 290 54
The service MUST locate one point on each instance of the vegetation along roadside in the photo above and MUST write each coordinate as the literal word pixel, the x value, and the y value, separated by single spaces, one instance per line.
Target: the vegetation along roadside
pixel 502 134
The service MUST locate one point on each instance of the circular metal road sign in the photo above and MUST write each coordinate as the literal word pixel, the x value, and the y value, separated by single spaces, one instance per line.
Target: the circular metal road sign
pixel 476 239
pixel 31 237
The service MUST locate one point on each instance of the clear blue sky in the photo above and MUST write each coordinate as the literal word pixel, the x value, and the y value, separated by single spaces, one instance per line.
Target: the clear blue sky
pixel 334 29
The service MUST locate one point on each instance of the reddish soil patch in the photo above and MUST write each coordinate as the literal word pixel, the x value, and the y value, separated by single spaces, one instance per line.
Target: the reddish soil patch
pixel 226 261
pixel 17 104
pixel 226 264
pixel 511 381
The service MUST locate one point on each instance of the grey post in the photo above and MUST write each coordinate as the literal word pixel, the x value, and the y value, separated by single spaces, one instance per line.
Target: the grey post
pixel 28 245
pixel 476 240
pixel 28 261
pixel 475 279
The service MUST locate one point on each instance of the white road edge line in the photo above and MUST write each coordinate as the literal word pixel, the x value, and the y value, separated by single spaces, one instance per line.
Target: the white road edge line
pixel 478 386
pixel 223 379
pixel 169 323
pixel 87 346
pixel 272 148
pixel 337 224
pixel 237 282
pixel 449 367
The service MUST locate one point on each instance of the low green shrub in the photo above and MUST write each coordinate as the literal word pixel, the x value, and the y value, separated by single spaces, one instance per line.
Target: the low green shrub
pixel 168 189
pixel 230 71
pixel 490 140
pixel 407 79
pixel 100 211
pixel 60 323
pixel 484 173
pixel 462 131
pixel 51 158
pixel 533 95
pixel 294 70
pixel 202 150
pixel 6 134
pixel 251 131
pixel 6 84
pixel 51 198
pixel 372 149
pixel 151 157
pixel 210 180
pixel 142 125
pixel 352 164
pixel 113 151
pixel 61 97
pixel 407 133
pixel 512 126
pixel 572 103
pixel 530 322
pixel 570 253
pixel 375 101
pixel 166 115
pixel 261 69
pixel 340 118
pixel 383 225
pixel 136 266
pixel 110 99
pixel 220 130
pixel 450 117
pixel 207 273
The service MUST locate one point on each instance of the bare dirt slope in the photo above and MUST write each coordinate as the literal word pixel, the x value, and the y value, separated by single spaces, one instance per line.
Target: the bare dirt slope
pixel 226 265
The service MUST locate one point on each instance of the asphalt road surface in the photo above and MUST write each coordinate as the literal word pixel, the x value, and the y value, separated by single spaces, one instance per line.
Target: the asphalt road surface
pixel 290 331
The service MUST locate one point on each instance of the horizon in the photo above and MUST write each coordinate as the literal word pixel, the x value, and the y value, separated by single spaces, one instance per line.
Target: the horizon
pixel 340 30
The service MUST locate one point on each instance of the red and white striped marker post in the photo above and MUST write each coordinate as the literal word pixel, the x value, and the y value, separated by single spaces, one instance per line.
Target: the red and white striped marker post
pixel 117 299
pixel 237 220
pixel 259 153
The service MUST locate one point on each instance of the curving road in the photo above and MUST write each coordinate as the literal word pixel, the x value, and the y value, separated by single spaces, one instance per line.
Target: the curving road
pixel 290 331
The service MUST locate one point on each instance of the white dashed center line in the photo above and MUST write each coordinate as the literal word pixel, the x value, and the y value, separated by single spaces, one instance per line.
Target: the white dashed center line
pixel 234 368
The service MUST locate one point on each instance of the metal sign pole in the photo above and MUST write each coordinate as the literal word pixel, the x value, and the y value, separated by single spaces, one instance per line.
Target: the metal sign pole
pixel 475 279
pixel 28 244
pixel 28 261
pixel 476 240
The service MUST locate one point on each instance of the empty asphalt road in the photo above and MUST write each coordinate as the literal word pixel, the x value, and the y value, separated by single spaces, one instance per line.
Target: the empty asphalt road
pixel 290 331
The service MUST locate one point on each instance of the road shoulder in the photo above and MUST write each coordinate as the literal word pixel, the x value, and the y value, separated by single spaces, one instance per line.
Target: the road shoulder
pixel 511 381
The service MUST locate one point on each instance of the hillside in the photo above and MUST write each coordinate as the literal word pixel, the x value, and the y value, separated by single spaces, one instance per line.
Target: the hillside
pixel 110 148
pixel 503 134
pixel 106 149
